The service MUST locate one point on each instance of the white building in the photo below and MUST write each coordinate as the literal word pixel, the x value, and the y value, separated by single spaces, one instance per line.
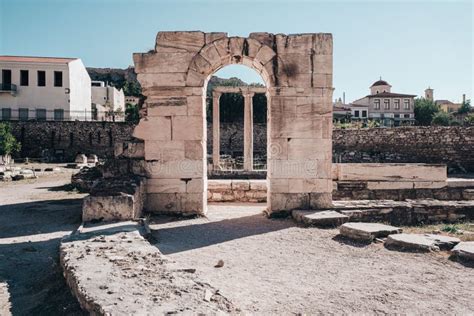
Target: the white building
pixel 44 88
pixel 107 101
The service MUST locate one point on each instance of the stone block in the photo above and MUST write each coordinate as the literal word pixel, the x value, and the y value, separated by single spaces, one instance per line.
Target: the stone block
pixel 299 148
pixel 195 185
pixel 367 231
pixel 167 111
pixel 277 149
pixel 156 128
pixel 194 149
pixel 318 200
pixel 302 169
pixel 285 202
pixel 319 218
pixel 421 242
pixel 176 203
pixel 175 169
pixel 162 62
pixel 162 79
pixel 243 185
pixel 166 186
pixel 188 127
pixel 258 185
pixel 392 171
pixel 195 106
pixel 165 151
pixel 309 185
pixel 464 250
pixel 173 42
pixel 219 185
pixel 264 55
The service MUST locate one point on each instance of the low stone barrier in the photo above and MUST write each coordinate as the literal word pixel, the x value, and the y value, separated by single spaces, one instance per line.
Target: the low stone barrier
pixel 237 191
pixel 115 199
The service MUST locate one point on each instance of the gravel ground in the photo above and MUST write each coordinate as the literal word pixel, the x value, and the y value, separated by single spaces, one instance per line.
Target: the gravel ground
pixel 276 267
pixel 34 216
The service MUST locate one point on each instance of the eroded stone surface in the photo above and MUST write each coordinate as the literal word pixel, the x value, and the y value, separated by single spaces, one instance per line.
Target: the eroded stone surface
pixel 113 270
pixel 320 218
pixel 464 250
pixel 421 242
pixel 367 231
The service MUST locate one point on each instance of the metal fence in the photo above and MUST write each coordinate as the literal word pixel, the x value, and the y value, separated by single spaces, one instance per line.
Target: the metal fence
pixel 25 114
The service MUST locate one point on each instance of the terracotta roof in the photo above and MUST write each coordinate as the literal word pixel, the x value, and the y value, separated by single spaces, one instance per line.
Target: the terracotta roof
pixel 391 95
pixel 33 59
pixel 380 83
pixel 437 102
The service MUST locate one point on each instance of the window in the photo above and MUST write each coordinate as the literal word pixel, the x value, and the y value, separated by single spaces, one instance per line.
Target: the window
pixel 41 78
pixel 386 104
pixel 377 104
pixel 364 113
pixel 397 115
pixel 396 104
pixel 406 104
pixel 356 113
pixel 41 114
pixel 58 114
pixel 6 114
pixel 406 115
pixel 24 77
pixel 23 114
pixel 58 78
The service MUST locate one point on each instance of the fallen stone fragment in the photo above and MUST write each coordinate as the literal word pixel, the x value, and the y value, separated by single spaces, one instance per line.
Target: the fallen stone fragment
pixel 207 295
pixel 421 242
pixel 320 218
pixel 367 231
pixel 219 264
pixel 464 250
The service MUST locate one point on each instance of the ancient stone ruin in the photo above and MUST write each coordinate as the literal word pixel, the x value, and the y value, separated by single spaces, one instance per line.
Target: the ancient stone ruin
pixel 297 71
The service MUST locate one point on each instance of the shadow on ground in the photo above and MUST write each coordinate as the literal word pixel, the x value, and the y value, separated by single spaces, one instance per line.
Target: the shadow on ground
pixel 30 235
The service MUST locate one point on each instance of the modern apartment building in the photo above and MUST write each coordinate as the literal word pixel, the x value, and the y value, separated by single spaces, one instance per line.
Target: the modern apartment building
pixel 44 88
pixel 108 103
pixel 387 107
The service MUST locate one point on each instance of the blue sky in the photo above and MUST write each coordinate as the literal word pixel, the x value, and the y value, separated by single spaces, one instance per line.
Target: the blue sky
pixel 411 44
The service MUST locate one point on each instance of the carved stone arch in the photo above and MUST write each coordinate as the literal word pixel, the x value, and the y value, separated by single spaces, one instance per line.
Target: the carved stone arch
pixel 233 50
pixel 297 70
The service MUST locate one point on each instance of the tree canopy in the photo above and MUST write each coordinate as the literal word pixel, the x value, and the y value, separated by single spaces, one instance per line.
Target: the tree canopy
pixel 8 142
pixel 424 111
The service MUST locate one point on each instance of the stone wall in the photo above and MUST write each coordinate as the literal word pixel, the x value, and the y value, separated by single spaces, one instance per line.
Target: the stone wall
pixel 453 146
pixel 63 140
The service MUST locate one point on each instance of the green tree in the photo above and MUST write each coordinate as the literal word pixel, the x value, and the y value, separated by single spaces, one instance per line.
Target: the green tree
pixel 469 120
pixel 425 111
pixel 441 119
pixel 465 107
pixel 132 113
pixel 8 142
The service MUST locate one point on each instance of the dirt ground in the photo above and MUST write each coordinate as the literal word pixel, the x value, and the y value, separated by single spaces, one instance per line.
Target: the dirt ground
pixel 276 267
pixel 34 216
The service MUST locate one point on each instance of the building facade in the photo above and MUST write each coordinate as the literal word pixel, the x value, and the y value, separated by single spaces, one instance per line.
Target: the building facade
pixel 132 100
pixel 108 103
pixel 385 106
pixel 44 88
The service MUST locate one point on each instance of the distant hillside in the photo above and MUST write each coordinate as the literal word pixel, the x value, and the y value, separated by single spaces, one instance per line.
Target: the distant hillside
pixel 125 79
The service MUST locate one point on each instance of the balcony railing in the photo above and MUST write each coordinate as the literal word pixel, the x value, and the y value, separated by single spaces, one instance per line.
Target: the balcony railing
pixel 8 87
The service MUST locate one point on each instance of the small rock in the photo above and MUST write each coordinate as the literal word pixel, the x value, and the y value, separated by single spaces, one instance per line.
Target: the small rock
pixel 219 264
pixel 207 295
pixel 367 231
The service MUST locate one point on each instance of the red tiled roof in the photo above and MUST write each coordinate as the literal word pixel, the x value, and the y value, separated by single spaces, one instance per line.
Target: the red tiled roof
pixel 33 59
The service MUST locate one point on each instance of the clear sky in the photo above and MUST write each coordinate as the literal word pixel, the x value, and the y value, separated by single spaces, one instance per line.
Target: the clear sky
pixel 411 44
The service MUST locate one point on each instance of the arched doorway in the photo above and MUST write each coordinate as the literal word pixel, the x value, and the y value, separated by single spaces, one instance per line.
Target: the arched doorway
pixel 297 71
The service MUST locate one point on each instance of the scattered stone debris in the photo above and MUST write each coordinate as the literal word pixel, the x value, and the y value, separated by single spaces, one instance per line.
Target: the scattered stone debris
pixel 219 264
pixel 100 273
pixel 320 218
pixel 421 242
pixel 85 179
pixel 464 250
pixel 367 231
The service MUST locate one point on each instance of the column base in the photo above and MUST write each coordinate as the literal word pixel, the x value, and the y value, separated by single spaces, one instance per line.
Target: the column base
pixel 281 204
pixel 177 203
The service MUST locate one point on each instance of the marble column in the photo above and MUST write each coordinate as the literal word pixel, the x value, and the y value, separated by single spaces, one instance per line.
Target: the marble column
pixel 216 126
pixel 248 131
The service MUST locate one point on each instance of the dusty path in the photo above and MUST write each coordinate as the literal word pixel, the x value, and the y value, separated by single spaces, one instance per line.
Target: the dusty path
pixel 34 216
pixel 275 267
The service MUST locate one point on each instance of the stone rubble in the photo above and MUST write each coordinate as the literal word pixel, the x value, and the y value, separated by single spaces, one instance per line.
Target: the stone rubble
pixel 320 218
pixel 464 250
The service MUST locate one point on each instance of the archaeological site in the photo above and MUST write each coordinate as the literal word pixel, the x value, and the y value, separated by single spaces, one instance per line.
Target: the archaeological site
pixel 181 212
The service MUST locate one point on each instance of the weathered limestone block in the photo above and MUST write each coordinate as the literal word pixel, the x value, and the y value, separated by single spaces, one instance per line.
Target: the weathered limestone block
pixel 176 203
pixel 283 203
pixel 165 150
pixel 176 169
pixel 156 128
pixel 174 79
pixel 367 231
pixel 115 199
pixel 188 127
pixel 421 242
pixel 242 185
pixel 180 41
pixel 162 62
pixel 130 149
pixel 319 218
pixel 464 250
pixel 219 185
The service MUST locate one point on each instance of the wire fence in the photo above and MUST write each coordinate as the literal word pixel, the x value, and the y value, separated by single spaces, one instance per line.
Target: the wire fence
pixel 25 114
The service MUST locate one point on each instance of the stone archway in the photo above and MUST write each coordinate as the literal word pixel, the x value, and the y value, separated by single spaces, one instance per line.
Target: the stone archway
pixel 297 70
